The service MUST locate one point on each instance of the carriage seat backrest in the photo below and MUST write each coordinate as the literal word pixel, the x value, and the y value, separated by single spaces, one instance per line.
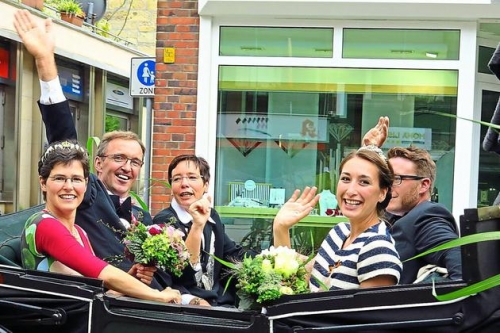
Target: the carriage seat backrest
pixel 10 252
pixel 11 227
pixel 480 260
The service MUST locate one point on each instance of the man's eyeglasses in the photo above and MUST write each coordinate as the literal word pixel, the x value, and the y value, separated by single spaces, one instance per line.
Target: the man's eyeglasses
pixel 123 159
pixel 75 180
pixel 190 178
pixel 398 179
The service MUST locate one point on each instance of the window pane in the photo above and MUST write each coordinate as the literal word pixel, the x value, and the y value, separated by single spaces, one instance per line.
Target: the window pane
pixel 489 177
pixel 485 54
pixel 276 42
pixel 401 44
pixel 116 123
pixel 285 128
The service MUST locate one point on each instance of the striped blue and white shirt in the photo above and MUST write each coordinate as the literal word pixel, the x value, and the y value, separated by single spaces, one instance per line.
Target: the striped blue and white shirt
pixel 371 254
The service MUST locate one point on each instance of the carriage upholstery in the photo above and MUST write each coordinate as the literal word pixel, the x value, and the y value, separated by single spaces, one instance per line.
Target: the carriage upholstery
pixel 11 226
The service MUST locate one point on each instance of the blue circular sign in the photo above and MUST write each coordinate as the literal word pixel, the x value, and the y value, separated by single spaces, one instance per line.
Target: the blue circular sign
pixel 146 73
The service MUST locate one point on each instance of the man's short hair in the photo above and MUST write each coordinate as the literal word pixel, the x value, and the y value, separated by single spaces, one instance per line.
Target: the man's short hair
pixel 425 166
pixel 113 135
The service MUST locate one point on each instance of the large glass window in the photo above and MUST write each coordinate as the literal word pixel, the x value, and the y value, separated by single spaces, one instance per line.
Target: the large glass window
pixel 401 44
pixel 283 128
pixel 276 42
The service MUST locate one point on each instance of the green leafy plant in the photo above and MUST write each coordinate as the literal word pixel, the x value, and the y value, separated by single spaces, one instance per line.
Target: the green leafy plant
pixel 112 122
pixel 268 276
pixel 103 28
pixel 70 7
pixel 449 115
pixel 92 142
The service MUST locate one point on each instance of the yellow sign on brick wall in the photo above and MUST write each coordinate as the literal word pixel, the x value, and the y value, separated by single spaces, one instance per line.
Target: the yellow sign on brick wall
pixel 169 55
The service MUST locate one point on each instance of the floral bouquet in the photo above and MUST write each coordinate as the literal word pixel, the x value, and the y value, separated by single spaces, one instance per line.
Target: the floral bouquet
pixel 269 275
pixel 157 245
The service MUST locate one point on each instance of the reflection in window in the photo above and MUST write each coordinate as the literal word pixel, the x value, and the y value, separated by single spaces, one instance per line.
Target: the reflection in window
pixel 401 44
pixel 276 42
pixel 484 56
pixel 290 127
pixel 116 122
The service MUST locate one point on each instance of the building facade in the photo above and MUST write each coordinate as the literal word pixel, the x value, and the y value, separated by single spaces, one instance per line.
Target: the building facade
pixel 94 72
pixel 274 93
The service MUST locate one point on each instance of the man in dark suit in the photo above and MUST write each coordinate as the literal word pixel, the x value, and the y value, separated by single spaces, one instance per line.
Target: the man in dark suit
pixel 107 209
pixel 418 224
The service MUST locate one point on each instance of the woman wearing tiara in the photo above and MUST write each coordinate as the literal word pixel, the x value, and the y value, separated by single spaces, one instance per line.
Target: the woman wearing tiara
pixel 361 252
pixel 51 241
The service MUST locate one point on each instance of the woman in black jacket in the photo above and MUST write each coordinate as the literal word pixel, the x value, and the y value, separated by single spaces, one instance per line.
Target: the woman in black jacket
pixel 191 211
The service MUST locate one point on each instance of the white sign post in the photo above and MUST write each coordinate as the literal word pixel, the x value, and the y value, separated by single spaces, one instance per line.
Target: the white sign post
pixel 142 84
pixel 142 77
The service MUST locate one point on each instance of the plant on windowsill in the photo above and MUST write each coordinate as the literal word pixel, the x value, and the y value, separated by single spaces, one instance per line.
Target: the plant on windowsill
pixel 37 4
pixel 71 12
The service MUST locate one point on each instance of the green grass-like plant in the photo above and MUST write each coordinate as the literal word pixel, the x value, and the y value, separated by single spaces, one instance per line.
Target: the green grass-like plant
pixel 70 7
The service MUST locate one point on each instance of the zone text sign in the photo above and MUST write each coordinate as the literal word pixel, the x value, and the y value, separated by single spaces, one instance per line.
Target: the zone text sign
pixel 142 77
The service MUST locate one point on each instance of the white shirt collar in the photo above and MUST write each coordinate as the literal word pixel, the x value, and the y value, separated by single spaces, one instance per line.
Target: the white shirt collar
pixel 183 215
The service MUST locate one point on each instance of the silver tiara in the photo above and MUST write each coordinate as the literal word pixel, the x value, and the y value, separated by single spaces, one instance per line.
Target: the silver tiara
pixel 62 145
pixel 374 149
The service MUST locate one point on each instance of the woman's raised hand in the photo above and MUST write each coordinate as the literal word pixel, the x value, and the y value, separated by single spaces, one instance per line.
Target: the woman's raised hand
pixel 200 211
pixel 296 208
pixel 378 134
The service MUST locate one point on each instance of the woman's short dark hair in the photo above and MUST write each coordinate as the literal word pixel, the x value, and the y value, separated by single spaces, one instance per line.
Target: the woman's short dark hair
pixel 62 152
pixel 199 162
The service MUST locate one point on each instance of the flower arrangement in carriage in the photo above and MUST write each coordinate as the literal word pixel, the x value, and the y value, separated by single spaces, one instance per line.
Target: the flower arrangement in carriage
pixel 159 245
pixel 268 276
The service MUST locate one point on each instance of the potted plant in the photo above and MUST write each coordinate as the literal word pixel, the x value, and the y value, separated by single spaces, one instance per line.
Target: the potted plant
pixel 37 4
pixel 71 11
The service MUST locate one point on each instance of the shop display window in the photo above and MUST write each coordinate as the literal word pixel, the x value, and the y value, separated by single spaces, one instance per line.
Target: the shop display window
pixel 283 128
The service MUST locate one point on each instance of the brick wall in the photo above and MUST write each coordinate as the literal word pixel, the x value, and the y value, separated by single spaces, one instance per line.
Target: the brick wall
pixel 175 92
pixel 134 21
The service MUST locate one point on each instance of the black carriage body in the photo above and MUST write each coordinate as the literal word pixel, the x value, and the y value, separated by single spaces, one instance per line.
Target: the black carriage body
pixel 44 302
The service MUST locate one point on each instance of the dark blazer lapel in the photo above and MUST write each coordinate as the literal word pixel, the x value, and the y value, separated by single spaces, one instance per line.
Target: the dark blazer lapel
pixel 207 236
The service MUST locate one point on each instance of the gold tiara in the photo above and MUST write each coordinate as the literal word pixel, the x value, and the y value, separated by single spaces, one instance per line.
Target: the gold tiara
pixel 62 145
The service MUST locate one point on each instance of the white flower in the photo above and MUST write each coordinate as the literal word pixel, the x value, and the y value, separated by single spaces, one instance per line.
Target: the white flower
pixel 267 266
pixel 285 261
pixel 286 290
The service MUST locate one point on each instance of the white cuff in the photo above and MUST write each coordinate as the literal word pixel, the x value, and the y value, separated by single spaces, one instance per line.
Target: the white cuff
pixel 196 267
pixel 52 92
pixel 187 298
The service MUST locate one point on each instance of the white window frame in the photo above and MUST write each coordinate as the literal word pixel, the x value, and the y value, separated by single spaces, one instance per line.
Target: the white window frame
pixel 465 174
